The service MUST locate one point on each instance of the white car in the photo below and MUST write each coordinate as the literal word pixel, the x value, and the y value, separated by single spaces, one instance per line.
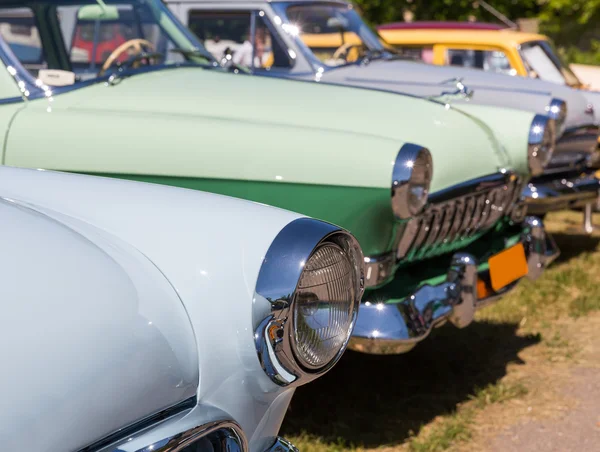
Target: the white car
pixel 139 317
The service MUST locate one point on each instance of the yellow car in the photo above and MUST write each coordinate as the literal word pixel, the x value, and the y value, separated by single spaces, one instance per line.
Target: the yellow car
pixel 482 46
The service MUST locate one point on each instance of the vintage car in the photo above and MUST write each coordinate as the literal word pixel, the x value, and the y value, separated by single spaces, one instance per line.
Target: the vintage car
pixel 169 114
pixel 485 47
pixel 140 317
pixel 329 42
pixel 488 47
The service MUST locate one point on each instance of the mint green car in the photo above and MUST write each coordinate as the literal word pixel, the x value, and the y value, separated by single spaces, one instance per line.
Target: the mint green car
pixel 124 90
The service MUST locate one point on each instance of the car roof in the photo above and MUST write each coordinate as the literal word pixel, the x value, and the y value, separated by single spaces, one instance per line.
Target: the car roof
pixel 503 37
pixel 442 25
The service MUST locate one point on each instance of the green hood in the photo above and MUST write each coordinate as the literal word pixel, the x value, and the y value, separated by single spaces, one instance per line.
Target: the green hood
pixel 203 123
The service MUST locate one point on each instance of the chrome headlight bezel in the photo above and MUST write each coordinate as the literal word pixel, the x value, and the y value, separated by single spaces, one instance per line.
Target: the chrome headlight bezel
pixel 541 145
pixel 411 160
pixel 557 110
pixel 276 292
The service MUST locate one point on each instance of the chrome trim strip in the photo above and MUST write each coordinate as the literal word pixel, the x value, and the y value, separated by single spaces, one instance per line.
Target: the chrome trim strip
pixel 229 437
pixel 392 328
pixel 141 425
pixel 276 287
pixel 11 100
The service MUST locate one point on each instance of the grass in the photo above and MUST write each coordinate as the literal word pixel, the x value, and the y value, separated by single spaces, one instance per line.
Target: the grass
pixel 427 400
pixel 457 426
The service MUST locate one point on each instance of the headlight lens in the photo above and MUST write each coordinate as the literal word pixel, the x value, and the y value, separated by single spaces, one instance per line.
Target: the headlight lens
pixel 324 307
pixel 411 179
pixel 542 141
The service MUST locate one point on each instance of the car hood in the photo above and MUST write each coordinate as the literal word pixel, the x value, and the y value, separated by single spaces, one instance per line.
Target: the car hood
pixel 290 131
pixel 94 338
pixel 425 80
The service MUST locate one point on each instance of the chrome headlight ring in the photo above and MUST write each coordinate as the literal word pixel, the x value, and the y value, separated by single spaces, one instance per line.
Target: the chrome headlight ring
pixel 542 141
pixel 306 300
pixel 557 110
pixel 411 179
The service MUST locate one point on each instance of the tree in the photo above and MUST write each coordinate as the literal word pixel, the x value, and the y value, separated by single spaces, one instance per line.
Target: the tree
pixel 381 11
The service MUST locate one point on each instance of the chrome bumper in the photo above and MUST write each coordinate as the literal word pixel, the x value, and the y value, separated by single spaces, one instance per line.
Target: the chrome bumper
pixel 542 196
pixel 393 328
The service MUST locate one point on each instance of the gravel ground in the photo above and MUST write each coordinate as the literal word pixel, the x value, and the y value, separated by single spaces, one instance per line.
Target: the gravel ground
pixel 576 430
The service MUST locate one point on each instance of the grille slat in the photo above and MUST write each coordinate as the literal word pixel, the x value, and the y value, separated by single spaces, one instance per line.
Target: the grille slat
pixel 455 219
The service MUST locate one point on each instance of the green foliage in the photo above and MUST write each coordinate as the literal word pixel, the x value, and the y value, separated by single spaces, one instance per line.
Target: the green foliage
pixel 573 54
pixel 382 11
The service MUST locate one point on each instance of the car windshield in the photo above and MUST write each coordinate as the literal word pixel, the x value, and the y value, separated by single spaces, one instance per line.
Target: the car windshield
pixel 543 62
pixel 334 33
pixel 70 42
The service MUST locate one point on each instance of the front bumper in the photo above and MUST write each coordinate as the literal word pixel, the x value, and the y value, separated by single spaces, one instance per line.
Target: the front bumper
pixel 551 193
pixel 393 328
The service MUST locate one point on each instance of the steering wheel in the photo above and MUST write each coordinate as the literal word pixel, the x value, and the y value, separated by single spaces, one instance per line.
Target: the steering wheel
pixel 345 49
pixel 137 45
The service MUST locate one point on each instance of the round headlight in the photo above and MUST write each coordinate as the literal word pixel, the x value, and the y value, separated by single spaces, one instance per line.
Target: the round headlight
pixel 411 179
pixel 324 306
pixel 307 297
pixel 557 110
pixel 542 141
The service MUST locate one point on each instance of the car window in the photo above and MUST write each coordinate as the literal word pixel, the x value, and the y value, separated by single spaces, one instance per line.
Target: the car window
pixel 20 32
pixel 81 40
pixel 416 52
pixel 226 34
pixel 488 60
pixel 540 64
pixel 221 32
pixel 90 42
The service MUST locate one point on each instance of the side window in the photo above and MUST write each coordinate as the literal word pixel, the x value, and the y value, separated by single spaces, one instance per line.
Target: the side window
pixel 421 53
pixel 488 60
pixel 20 32
pixel 226 33
pixel 222 33
pixel 269 52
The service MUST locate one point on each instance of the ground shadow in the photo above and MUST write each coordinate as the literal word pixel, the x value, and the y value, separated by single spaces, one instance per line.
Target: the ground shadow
pixel 572 245
pixel 369 400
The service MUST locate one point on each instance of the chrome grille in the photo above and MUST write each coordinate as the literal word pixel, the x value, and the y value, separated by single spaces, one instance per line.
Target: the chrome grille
pixel 458 214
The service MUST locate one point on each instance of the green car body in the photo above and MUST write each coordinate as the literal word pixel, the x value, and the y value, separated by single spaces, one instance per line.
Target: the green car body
pixel 325 151
pixel 300 153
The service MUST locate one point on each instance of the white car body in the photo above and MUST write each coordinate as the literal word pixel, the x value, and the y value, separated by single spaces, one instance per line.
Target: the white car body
pixel 121 300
